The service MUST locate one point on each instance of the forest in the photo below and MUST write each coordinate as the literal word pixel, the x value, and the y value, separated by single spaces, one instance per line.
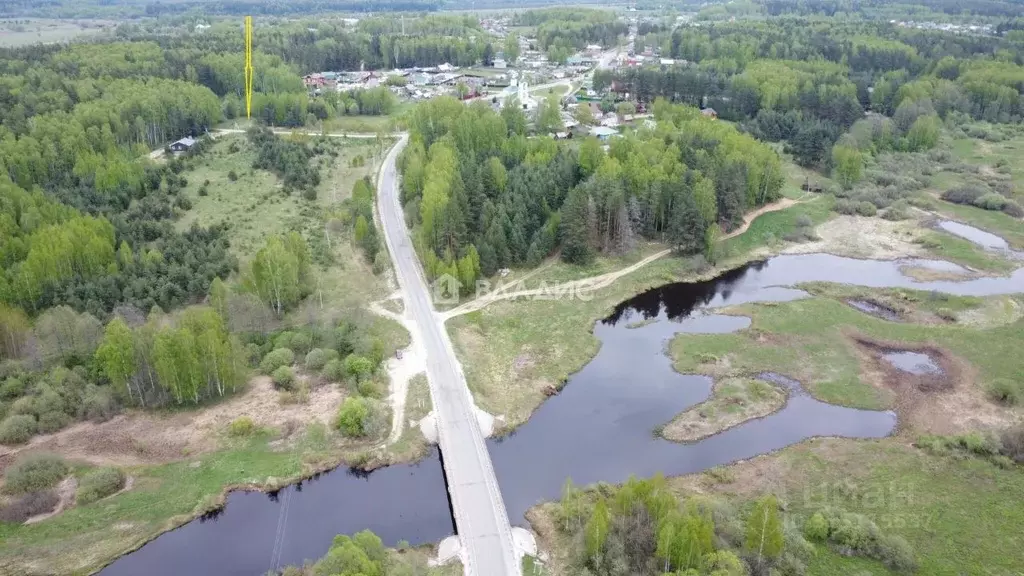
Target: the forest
pixel 561 32
pixel 791 80
pixel 148 8
pixel 483 196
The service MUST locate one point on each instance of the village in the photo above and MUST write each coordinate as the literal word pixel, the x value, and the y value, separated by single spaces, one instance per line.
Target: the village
pixel 527 80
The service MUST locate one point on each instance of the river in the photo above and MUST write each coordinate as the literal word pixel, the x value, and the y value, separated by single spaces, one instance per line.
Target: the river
pixel 600 427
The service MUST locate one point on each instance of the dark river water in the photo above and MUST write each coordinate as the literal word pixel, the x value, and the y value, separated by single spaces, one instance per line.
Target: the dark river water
pixel 599 428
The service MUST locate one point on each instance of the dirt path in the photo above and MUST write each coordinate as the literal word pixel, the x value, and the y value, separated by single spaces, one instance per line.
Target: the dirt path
pixel 400 371
pixel 602 280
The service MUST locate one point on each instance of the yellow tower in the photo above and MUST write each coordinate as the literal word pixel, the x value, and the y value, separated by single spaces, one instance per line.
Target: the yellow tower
pixel 248 66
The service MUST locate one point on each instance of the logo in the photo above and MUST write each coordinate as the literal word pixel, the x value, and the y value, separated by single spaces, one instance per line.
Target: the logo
pixel 446 289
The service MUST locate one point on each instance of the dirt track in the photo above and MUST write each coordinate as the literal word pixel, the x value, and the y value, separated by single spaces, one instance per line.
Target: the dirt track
pixel 603 280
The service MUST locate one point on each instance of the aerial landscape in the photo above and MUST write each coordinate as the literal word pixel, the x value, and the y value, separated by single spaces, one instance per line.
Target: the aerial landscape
pixel 436 287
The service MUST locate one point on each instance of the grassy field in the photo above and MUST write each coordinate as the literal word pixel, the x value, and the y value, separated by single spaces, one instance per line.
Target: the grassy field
pixel 958 514
pixel 83 538
pixel 254 205
pixel 512 351
pixel 25 31
pixel 813 340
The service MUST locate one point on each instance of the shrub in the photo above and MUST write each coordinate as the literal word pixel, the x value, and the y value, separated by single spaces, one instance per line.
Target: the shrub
pixel 232 175
pixel 845 206
pixel 353 417
pixel 50 422
pixel 12 388
pixel 253 353
pixel 284 339
pixel 275 359
pixel 29 505
pixel 1012 441
pixel 241 426
pixel 816 527
pixel 990 201
pixel 865 208
pixel 1013 209
pixel 334 370
pixel 316 359
pixel 99 483
pixel 897 554
pixel 17 429
pixel 98 404
pixel 301 343
pixel 1007 391
pixel 37 471
pixel 283 377
pixel 963 194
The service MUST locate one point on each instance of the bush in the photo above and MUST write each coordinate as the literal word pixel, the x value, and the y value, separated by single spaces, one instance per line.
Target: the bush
pixel 1007 391
pixel 17 429
pixel 816 528
pixel 98 404
pixel 845 206
pixel 964 194
pixel 241 426
pixel 866 208
pixel 1012 441
pixel 284 339
pixel 301 343
pixel 275 359
pixel 34 472
pixel 232 175
pixel 12 388
pixel 283 377
pixel 29 505
pixel 353 417
pixel 99 483
pixel 50 422
pixel 1013 209
pixel 899 210
pixel 334 370
pixel 897 554
pixel 316 360
pixel 991 201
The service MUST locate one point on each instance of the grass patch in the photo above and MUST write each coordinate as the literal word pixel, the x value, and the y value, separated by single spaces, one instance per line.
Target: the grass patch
pixel 805 340
pixel 1009 228
pixel 411 444
pixel 254 205
pixel 770 228
pixel 733 401
pixel 512 351
pixel 964 252
pixel 957 515
pixel 81 539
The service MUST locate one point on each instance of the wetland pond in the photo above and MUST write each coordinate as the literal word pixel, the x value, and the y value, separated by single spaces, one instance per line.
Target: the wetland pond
pixel 600 427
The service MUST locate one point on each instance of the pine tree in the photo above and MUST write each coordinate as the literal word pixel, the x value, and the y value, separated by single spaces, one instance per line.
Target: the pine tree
pixel 575 231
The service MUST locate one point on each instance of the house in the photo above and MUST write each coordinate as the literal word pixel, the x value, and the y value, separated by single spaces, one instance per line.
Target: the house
pixel 183 145
pixel 314 80
pixel 500 63
pixel 603 132
pixel 446 67
pixel 710 113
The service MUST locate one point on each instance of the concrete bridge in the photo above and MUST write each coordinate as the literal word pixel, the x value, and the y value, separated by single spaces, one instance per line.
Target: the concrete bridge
pixel 480 516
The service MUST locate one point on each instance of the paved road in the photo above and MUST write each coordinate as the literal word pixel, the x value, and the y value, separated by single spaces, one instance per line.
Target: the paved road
pixel 480 515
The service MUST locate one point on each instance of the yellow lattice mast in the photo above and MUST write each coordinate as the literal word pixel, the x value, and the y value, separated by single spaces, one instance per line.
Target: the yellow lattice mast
pixel 248 67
